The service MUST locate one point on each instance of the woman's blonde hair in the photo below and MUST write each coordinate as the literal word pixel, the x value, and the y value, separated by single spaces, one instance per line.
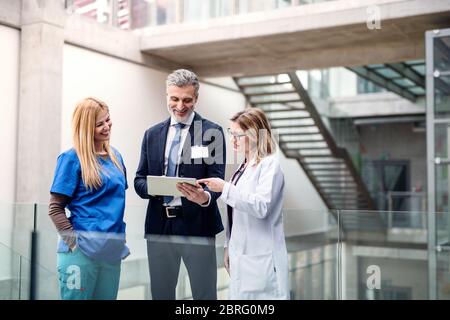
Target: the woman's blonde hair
pixel 256 124
pixel 83 130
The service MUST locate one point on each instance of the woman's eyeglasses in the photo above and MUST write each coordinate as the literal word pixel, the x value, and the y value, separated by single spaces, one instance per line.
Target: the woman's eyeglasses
pixel 235 134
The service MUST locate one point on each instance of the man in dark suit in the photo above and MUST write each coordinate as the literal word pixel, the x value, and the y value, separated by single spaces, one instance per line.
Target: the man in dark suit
pixel 185 145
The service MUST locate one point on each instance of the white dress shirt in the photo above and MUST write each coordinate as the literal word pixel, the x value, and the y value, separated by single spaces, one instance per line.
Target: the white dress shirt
pixel 176 201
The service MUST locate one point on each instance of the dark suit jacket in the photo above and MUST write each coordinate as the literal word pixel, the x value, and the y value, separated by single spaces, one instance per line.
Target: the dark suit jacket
pixel 197 220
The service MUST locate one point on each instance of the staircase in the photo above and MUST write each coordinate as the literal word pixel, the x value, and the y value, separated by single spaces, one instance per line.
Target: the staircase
pixel 304 137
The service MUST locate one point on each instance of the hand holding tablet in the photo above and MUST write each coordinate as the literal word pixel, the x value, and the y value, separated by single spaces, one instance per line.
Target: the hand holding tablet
pixel 166 186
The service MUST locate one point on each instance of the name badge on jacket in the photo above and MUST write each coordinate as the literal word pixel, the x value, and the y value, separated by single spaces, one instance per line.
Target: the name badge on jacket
pixel 199 152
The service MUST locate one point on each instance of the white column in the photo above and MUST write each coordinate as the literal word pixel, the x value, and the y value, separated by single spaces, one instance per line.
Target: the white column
pixel 40 98
pixel 39 130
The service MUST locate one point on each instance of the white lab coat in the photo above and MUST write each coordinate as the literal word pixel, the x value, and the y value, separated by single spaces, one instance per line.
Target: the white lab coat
pixel 256 247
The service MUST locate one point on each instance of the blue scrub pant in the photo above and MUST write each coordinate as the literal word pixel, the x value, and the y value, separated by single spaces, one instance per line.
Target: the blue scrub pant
pixel 82 278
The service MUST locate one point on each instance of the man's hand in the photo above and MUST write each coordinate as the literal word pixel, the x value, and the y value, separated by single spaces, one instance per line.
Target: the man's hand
pixel 213 184
pixel 193 193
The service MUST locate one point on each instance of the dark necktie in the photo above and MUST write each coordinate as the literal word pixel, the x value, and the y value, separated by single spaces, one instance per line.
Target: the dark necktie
pixel 236 176
pixel 173 156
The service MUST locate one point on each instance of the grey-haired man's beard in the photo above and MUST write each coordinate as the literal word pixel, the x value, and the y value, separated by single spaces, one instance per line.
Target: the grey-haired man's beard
pixel 179 119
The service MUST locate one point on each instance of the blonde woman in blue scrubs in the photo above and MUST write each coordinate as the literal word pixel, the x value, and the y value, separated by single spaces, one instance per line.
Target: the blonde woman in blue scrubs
pixel 90 181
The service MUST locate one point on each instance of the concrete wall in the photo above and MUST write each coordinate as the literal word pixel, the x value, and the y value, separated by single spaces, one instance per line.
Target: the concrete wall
pixel 9 92
pixel 342 82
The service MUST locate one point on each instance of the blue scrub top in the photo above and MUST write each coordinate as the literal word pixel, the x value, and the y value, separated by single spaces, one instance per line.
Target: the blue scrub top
pixel 97 215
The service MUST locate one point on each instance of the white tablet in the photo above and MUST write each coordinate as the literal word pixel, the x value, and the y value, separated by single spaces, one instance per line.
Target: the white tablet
pixel 166 186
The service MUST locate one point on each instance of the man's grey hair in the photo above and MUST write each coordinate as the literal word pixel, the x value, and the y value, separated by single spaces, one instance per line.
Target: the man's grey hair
pixel 182 78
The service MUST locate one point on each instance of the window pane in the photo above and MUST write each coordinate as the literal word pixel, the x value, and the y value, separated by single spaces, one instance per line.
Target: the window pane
pixel 388 73
pixel 442 54
pixel 404 82
pixel 442 97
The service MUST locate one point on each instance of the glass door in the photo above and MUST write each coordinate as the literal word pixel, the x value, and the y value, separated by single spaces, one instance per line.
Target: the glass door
pixel 438 156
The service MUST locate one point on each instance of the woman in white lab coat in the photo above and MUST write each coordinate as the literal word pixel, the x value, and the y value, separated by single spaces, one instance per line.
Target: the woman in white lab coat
pixel 255 249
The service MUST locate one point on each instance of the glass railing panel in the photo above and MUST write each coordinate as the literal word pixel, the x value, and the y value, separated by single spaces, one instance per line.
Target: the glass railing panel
pixel 406 201
pixel 45 280
pixel 443 272
pixel 16 278
pixel 311 240
pixel 312 257
pixel 7 257
pixel 440 255
pixel 442 220
pixel 24 218
pixel 313 254
pixel 19 226
pixel 46 246
pixel 344 254
pixel 384 255
pixel 10 276
pixel 134 278
pixel 17 222
pixel 7 211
